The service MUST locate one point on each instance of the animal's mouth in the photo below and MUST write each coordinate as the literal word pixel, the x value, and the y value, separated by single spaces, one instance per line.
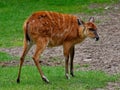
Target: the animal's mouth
pixel 96 38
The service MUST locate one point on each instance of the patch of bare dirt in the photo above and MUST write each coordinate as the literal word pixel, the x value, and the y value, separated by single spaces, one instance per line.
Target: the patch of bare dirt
pixel 102 55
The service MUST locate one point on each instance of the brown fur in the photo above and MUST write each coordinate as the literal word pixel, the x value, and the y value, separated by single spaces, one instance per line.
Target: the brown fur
pixel 53 29
pixel 59 28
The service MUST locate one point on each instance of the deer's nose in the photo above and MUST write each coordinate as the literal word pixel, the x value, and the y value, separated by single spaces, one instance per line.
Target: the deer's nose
pixel 97 38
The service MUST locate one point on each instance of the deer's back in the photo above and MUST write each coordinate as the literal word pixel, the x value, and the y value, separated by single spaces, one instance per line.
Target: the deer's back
pixel 57 27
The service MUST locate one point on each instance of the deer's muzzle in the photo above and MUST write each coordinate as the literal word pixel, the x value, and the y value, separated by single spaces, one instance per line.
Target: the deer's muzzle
pixel 96 36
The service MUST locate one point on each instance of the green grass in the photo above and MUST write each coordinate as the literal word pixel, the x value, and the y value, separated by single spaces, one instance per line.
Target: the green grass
pixel 13 14
pixel 7 57
pixel 30 79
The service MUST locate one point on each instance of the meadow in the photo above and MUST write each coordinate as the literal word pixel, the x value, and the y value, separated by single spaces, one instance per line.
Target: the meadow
pixel 30 79
pixel 13 14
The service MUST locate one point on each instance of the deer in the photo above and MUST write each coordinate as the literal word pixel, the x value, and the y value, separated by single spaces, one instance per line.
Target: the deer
pixel 50 29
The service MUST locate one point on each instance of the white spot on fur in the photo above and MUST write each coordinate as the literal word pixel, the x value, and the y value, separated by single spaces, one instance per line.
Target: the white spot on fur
pixel 41 25
pixel 61 34
pixel 57 35
pixel 65 30
pixel 33 21
pixel 53 34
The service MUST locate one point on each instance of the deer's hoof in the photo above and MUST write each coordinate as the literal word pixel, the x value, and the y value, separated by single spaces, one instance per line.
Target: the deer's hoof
pixel 72 74
pixel 18 80
pixel 45 79
pixel 67 76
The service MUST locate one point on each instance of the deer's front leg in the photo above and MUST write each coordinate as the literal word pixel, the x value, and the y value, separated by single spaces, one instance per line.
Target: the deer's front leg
pixel 72 52
pixel 66 50
pixel 66 67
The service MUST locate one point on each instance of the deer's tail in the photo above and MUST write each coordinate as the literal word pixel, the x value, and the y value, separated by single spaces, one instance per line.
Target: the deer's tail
pixel 25 27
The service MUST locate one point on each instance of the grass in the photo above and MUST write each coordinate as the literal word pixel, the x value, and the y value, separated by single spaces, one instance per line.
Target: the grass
pixel 7 57
pixel 13 14
pixel 30 79
pixel 55 59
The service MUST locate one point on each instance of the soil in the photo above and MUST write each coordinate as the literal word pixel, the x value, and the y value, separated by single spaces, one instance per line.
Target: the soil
pixel 101 55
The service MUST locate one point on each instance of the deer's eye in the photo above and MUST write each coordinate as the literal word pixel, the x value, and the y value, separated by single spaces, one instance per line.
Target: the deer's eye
pixel 91 29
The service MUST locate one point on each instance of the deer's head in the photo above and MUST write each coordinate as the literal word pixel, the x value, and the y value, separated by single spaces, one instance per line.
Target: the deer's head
pixel 89 28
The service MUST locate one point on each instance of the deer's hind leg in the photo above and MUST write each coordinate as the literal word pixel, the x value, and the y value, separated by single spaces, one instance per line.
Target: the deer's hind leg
pixel 40 46
pixel 26 48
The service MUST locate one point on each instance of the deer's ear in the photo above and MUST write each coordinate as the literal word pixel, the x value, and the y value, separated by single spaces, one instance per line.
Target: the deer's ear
pixel 80 22
pixel 91 19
